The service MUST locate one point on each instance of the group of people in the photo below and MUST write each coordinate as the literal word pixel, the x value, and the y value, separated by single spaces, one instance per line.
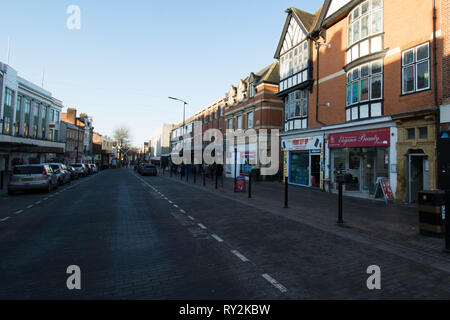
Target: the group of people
pixel 210 170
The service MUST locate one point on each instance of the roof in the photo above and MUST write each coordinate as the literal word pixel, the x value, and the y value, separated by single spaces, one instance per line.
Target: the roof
pixel 308 21
pixel 270 74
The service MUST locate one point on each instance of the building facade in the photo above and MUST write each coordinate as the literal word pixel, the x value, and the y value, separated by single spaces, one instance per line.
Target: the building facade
pixel 29 122
pixel 372 91
pixel 73 136
pixel 159 143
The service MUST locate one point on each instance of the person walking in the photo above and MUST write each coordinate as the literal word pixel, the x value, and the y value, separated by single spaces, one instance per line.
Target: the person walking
pixel 219 172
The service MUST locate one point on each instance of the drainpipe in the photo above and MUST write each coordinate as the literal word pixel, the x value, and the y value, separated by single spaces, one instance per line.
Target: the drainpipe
pixel 436 100
pixel 317 85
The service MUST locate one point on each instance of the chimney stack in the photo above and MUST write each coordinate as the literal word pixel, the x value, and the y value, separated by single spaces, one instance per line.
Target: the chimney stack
pixel 71 115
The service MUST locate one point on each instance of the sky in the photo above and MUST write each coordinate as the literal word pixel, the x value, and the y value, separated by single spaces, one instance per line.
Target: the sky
pixel 128 57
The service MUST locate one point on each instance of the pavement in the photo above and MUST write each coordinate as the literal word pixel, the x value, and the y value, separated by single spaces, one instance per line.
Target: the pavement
pixel 139 237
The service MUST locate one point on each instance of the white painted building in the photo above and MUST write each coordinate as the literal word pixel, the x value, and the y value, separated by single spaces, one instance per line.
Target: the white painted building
pixel 159 143
pixel 29 121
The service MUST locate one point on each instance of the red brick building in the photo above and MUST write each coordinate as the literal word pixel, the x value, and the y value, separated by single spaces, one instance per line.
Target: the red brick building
pixel 362 92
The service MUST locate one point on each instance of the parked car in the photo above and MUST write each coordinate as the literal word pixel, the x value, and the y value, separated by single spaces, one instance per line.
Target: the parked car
pixel 73 173
pixel 94 167
pixel 81 169
pixel 148 169
pixel 32 177
pixel 61 172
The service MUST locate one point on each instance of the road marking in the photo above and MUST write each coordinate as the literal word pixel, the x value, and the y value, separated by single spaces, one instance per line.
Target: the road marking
pixel 175 206
pixel 19 211
pixel 202 226
pixel 2 220
pixel 170 201
pixel 274 282
pixel 39 202
pixel 30 206
pixel 217 237
pixel 239 255
pixel 192 218
pixel 182 211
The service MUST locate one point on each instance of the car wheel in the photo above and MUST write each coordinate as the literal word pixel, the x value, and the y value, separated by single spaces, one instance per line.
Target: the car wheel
pixel 61 182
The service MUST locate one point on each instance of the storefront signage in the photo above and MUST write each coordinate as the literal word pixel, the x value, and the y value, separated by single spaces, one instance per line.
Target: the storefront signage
pixel 387 191
pixel 355 139
pixel 310 143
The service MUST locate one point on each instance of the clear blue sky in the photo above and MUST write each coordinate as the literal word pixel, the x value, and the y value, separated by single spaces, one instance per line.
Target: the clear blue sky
pixel 129 56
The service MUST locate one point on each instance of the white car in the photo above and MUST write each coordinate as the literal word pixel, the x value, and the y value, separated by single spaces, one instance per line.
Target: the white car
pixel 60 170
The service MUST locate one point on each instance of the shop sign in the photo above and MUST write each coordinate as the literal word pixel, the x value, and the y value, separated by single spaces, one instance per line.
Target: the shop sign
pixel 310 143
pixel 355 139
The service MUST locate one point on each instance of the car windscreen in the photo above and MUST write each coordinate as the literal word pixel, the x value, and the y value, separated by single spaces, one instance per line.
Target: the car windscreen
pixel 54 167
pixel 28 170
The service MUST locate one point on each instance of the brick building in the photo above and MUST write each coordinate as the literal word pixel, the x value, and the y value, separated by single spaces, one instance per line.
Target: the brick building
pixel 371 90
pixel 73 136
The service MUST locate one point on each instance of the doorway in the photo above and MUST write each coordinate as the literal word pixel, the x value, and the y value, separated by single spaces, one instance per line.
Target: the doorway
pixel 418 177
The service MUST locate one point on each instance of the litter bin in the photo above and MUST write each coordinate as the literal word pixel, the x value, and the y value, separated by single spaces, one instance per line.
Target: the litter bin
pixel 431 212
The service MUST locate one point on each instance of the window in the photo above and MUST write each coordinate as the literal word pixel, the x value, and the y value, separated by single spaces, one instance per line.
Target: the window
pixel 250 120
pixel 423 133
pixel 252 90
pixel 18 114
pixel 364 85
pixel 26 124
pixel 296 110
pixel 57 116
pixel 411 133
pixel 7 111
pixel 294 61
pixel 210 116
pixel 215 114
pixel 365 21
pixel 53 116
pixel 221 111
pixel 230 124
pixel 416 69
pixel 239 122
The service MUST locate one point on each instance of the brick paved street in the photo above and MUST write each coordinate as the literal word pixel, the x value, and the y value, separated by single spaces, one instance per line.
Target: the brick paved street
pixel 158 238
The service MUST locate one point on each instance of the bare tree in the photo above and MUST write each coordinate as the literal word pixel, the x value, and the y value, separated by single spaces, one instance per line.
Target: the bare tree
pixel 122 140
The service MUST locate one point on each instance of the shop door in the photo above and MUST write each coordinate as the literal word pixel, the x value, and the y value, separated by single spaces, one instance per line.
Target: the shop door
pixel 417 176
pixel 369 166
pixel 444 161
pixel 315 171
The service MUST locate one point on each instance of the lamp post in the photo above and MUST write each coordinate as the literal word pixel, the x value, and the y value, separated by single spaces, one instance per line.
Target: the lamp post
pixel 184 110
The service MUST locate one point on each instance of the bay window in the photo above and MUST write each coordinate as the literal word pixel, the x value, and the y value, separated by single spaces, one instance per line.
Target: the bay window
pixel 365 25
pixel 296 110
pixel 365 91
pixel 416 69
pixel 293 66
pixel 18 114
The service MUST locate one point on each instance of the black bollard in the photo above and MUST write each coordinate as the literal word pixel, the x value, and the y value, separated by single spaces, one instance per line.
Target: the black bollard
pixel 204 178
pixel 187 176
pixel 1 179
pixel 286 184
pixel 250 186
pixel 447 221
pixel 195 176
pixel 340 219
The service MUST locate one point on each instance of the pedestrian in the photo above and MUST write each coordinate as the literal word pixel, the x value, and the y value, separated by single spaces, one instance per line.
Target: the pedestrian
pixel 219 172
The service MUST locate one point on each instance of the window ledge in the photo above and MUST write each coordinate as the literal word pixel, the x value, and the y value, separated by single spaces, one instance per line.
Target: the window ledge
pixel 365 59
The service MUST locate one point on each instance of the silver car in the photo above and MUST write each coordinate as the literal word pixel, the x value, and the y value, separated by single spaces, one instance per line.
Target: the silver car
pixel 32 177
pixel 81 169
pixel 61 172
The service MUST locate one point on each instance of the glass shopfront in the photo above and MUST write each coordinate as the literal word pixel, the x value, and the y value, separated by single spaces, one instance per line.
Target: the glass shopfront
pixel 299 167
pixel 360 168
pixel 359 159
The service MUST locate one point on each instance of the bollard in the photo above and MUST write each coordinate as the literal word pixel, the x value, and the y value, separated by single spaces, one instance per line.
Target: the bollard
pixel 1 179
pixel 204 178
pixel 447 221
pixel 340 219
pixel 187 175
pixel 250 185
pixel 195 176
pixel 286 184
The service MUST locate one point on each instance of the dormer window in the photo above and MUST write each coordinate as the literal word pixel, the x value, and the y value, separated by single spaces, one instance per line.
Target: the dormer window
pixel 252 90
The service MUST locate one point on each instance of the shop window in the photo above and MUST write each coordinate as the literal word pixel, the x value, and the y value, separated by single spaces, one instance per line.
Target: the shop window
pixel 423 133
pixel 411 133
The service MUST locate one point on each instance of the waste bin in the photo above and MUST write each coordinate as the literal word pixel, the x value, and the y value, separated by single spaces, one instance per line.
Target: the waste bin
pixel 431 212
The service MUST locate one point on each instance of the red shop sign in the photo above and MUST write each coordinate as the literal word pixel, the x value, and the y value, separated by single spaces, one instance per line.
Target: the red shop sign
pixel 355 139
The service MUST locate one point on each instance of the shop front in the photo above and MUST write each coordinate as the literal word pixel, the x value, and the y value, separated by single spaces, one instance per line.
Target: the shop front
pixel 360 159
pixel 303 159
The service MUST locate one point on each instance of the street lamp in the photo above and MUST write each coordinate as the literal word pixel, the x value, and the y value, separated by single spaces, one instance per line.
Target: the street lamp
pixel 184 110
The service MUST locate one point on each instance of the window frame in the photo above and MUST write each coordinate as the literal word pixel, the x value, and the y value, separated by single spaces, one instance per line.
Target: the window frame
pixel 414 64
